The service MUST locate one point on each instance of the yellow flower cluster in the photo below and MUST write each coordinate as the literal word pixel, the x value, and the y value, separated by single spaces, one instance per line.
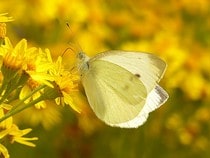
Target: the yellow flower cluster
pixel 29 77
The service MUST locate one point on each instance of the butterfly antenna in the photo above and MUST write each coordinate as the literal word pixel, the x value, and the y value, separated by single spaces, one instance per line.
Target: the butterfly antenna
pixel 69 48
pixel 74 47
pixel 75 44
pixel 73 69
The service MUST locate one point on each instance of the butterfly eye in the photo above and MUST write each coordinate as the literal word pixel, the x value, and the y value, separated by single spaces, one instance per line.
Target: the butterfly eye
pixel 80 55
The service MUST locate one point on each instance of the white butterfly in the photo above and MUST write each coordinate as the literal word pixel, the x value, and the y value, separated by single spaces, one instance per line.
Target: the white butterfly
pixel 121 87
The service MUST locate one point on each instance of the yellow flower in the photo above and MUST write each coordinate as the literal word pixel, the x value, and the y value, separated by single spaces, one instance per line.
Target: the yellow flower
pixel 37 67
pixel 3 151
pixel 25 68
pixel 33 61
pixel 66 83
pixel 61 89
pixel 4 18
pixel 16 135
pixel 9 130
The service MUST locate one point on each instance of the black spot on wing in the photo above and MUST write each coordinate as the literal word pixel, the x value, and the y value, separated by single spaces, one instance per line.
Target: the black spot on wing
pixel 138 75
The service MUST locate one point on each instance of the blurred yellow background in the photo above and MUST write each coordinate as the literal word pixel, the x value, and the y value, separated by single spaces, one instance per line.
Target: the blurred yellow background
pixel 177 31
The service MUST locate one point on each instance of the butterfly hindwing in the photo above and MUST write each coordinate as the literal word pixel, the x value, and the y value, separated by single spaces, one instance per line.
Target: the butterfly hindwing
pixel 155 99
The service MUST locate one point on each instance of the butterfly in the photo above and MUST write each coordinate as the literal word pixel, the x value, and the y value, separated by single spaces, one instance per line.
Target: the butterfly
pixel 122 87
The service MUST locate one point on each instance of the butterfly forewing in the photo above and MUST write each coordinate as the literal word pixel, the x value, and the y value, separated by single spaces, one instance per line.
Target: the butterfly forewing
pixel 115 94
pixel 148 67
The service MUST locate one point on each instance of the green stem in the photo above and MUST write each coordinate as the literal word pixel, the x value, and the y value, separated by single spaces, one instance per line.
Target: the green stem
pixel 3 87
pixel 14 97
pixel 4 97
pixel 18 108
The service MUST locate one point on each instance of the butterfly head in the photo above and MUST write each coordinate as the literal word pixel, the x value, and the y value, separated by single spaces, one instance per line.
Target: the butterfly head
pixel 82 62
